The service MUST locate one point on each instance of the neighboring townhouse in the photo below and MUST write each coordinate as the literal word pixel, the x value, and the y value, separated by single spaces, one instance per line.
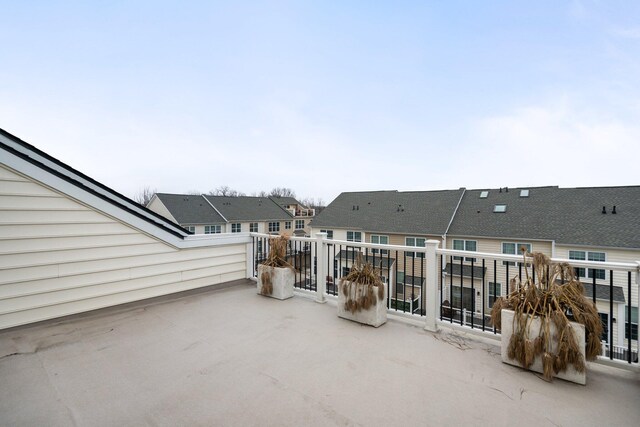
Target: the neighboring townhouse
pixel 597 224
pixel 221 214
pixel 192 212
pixel 389 217
pixel 302 214
pixel 594 224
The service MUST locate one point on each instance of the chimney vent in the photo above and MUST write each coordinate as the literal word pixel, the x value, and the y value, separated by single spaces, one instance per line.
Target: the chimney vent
pixel 604 209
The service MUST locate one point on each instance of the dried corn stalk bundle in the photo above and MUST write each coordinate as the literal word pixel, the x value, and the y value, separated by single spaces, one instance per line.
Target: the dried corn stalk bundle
pixel 362 287
pixel 277 257
pixel 556 297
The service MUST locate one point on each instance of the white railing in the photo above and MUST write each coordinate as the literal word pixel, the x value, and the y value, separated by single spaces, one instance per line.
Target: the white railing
pixel 431 261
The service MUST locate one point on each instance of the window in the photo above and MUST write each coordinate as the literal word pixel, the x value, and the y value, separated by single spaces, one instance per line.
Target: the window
pixel 287 225
pixel 236 228
pixel 495 290
pixel 253 227
pixel 500 208
pixel 484 194
pixel 465 245
pixel 467 301
pixel 524 193
pixel 299 224
pixel 190 228
pixel 212 229
pixel 274 227
pixel 400 277
pixel 354 236
pixel 599 273
pixel 383 240
pixel 512 248
pixel 329 233
pixel 634 323
pixel 415 241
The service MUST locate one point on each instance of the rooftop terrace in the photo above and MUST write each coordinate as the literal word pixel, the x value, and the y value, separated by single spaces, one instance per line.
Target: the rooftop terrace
pixel 226 356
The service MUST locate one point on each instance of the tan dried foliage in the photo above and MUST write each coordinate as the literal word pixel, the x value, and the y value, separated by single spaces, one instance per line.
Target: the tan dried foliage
pixel 555 296
pixel 359 286
pixel 276 257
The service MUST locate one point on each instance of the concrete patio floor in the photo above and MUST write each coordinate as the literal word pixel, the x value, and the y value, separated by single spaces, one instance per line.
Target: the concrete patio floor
pixel 230 357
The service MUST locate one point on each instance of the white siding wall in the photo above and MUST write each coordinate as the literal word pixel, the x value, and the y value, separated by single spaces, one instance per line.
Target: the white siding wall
pixel 59 257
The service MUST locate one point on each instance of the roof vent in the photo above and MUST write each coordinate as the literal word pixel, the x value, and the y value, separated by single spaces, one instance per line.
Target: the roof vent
pixel 500 208
pixel 506 189
pixel 614 210
pixel 604 209
pixel 484 194
pixel 524 193
pixel 501 189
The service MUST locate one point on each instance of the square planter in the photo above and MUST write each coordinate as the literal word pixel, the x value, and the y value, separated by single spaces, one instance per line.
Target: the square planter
pixel 375 315
pixel 570 374
pixel 282 280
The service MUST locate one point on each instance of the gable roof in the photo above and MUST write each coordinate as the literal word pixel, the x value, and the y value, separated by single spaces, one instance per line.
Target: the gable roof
pixel 83 184
pixel 246 208
pixel 190 209
pixel 571 216
pixel 284 201
pixel 412 212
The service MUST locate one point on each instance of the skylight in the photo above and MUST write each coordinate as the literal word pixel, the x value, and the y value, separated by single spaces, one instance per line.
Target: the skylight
pixel 524 193
pixel 484 194
pixel 500 208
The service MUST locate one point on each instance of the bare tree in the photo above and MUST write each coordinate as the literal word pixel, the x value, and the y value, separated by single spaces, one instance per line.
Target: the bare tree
pixel 145 195
pixel 310 202
pixel 227 191
pixel 282 192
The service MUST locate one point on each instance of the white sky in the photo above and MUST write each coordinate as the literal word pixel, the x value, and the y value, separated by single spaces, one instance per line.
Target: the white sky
pixel 327 97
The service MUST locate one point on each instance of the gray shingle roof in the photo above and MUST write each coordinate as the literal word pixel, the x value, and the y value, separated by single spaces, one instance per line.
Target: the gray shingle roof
pixel 190 209
pixel 247 208
pixel 284 201
pixel 414 212
pixel 566 215
pixel 603 292
pixel 478 270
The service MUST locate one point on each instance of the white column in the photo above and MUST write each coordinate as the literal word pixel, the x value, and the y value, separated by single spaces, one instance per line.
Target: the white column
pixel 250 255
pixel 431 286
pixel 321 259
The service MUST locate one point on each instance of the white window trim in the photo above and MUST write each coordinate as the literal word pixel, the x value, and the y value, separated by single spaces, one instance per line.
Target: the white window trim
pixel 413 254
pixel 299 221
pixel 466 259
pixel 354 233
pixel 511 263
pixel 379 251
pixel 586 258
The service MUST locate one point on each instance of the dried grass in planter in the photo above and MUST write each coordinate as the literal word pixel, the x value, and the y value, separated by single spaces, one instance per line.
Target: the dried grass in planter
pixel 276 257
pixel 362 287
pixel 556 297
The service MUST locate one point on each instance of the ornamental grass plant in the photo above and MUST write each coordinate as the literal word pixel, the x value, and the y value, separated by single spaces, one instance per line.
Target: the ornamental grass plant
pixel 276 258
pixel 553 294
pixel 362 287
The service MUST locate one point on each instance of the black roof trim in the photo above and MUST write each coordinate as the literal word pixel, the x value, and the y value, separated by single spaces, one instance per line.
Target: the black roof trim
pixel 88 189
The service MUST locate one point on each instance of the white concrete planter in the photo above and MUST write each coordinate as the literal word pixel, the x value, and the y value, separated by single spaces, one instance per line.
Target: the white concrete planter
pixel 282 279
pixel 375 316
pixel 570 374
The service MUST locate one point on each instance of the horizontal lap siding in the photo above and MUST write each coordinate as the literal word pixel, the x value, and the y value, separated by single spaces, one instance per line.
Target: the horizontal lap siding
pixel 60 257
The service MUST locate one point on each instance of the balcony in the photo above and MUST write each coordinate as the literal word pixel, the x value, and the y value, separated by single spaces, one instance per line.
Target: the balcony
pixel 226 356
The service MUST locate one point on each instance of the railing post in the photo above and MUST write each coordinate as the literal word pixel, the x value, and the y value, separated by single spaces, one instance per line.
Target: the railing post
pixel 321 262
pixel 250 258
pixel 432 286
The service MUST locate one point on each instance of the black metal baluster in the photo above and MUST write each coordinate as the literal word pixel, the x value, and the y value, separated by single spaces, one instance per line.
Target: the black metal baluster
pixel 484 284
pixel 450 289
pixel 423 307
pixel 473 295
pixel 461 289
pixel 495 279
pixel 610 313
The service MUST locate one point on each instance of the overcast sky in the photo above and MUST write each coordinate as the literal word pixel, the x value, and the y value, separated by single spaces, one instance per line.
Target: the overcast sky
pixel 327 96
